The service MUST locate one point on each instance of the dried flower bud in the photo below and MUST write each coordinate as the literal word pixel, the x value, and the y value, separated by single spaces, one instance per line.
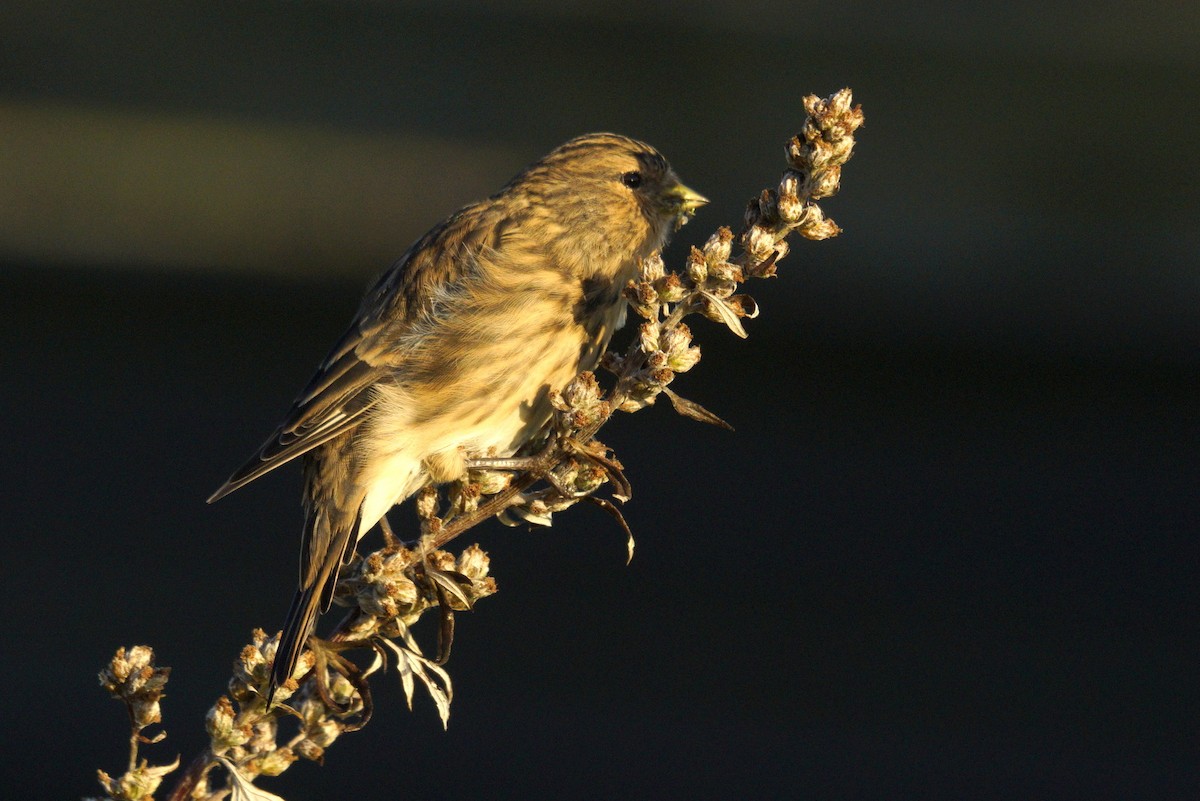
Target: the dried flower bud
pixel 137 784
pixel 647 295
pixel 274 762
pixel 670 289
pixel 822 154
pixel 836 118
pixel 252 668
pixel 473 563
pixel 391 594
pixel 792 183
pixel 791 210
pixel 838 104
pixel 825 182
pixel 322 731
pixel 441 560
pixel 581 404
pixel 588 478
pixel 843 149
pixel 307 749
pixel 131 676
pixel 651 268
pixel 342 690
pixel 791 207
pixel 697 266
pixel 719 246
pixel 721 289
pixel 119 675
pixel 647 391
pixel 263 738
pixel 220 725
pixel 648 337
pixel 485 587
pixel 675 339
pixel 326 733
pixel 828 135
pixel 427 503
pixel 583 391
pixel 464 497
pixel 758 242
pixel 816 226
pixel 491 481
pixel 684 360
pixel 797 153
pixel 768 208
pixel 823 230
pixel 662 377
pixel 642 297
pixel 725 271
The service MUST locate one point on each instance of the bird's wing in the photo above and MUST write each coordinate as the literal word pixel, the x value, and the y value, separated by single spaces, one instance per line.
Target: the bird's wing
pixel 337 398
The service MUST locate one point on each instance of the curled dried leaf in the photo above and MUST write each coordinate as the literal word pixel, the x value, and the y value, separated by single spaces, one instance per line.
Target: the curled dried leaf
pixel 717 309
pixel 695 411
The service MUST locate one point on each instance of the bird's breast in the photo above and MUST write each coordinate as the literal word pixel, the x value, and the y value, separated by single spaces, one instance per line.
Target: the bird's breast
pixel 480 376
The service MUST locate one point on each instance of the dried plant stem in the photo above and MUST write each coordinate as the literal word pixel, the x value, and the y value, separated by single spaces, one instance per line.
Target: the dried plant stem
pixel 191 777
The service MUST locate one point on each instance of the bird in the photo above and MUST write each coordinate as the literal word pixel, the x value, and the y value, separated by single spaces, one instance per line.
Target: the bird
pixel 456 347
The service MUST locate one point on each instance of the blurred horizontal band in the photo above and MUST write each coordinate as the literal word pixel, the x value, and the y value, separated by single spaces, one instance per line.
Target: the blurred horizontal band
pixel 96 185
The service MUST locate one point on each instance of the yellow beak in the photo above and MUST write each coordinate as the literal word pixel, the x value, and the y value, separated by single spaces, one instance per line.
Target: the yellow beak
pixel 682 203
pixel 683 200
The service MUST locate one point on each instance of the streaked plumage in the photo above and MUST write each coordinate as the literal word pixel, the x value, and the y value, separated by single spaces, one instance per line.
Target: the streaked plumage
pixel 455 348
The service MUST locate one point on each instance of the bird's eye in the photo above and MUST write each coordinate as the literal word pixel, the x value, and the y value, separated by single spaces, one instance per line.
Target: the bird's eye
pixel 632 179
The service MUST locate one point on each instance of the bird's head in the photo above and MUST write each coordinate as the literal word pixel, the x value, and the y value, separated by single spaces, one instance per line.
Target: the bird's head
pixel 615 196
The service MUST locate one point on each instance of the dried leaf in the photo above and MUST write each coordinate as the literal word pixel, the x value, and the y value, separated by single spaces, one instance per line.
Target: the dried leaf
pixel 452 582
pixel 609 507
pixel 412 665
pixel 746 305
pixel 243 788
pixel 727 315
pixel 379 662
pixel 516 515
pixel 694 410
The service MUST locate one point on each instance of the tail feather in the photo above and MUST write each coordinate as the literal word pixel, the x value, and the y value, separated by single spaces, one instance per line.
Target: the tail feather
pixel 332 547
pixel 333 516
pixel 300 622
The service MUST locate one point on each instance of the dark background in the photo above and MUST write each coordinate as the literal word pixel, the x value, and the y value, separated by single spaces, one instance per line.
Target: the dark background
pixel 950 551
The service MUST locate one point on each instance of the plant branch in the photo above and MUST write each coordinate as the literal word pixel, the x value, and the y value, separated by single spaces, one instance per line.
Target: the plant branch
pixel 388 590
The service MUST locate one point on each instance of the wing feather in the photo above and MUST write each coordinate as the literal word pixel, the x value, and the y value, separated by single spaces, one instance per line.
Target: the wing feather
pixel 340 394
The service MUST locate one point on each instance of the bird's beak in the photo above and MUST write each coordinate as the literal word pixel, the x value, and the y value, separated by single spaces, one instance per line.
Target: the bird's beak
pixel 683 202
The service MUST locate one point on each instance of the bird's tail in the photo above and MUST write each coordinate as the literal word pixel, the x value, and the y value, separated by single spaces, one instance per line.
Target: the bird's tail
pixel 328 545
pixel 332 525
pixel 300 622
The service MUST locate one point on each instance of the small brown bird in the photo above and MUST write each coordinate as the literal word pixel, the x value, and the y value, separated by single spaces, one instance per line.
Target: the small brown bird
pixel 455 348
